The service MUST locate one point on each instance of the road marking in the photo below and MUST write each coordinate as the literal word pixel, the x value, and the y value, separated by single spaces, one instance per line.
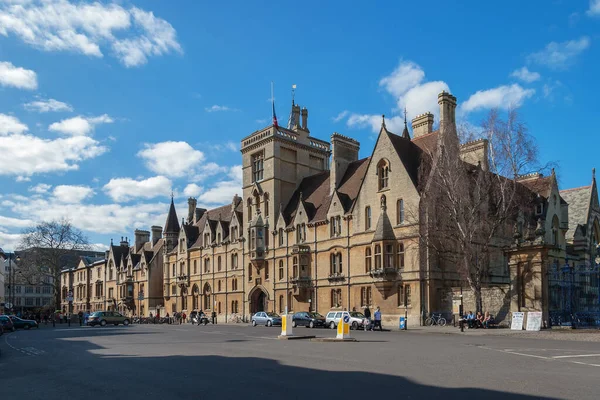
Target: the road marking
pixel 582 363
pixel 527 355
pixel 578 355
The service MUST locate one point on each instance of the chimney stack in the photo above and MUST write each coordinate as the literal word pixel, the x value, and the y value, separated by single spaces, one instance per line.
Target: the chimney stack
pixel 141 237
pixel 156 234
pixel 344 150
pixel 447 104
pixel 191 210
pixel 124 242
pixel 305 119
pixel 422 124
pixel 296 117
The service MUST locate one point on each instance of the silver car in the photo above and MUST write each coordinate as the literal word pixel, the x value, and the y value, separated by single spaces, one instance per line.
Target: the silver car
pixel 333 318
pixel 266 318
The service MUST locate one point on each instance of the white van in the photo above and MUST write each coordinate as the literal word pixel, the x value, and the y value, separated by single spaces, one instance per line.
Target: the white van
pixel 332 319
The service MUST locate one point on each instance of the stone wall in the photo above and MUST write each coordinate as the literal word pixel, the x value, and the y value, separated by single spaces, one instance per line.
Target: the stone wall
pixel 494 298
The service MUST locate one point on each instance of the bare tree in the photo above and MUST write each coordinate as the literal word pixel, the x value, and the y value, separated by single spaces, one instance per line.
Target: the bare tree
pixel 50 246
pixel 470 210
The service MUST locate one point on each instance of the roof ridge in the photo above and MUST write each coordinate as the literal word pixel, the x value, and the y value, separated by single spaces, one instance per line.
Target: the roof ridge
pixel 576 188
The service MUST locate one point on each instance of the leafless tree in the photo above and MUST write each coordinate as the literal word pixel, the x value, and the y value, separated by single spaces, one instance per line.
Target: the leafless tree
pixel 470 210
pixel 50 246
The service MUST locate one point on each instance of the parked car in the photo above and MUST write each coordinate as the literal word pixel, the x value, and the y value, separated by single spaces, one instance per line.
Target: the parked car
pixel 266 318
pixel 308 319
pixel 19 323
pixel 107 317
pixel 333 318
pixel 7 323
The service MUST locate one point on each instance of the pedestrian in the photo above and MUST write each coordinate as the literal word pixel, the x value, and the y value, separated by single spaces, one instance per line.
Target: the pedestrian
pixel 168 318
pixel 377 322
pixel 86 317
pixel 184 318
pixel 80 315
pixel 367 318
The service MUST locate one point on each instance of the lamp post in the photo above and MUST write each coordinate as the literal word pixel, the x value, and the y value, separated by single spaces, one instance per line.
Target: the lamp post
pixel 11 277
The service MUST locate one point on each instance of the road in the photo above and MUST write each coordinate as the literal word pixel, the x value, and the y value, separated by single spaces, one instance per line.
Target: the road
pixel 233 361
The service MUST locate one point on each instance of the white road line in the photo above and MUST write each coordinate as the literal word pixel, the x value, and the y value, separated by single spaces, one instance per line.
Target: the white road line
pixel 582 363
pixel 578 355
pixel 527 355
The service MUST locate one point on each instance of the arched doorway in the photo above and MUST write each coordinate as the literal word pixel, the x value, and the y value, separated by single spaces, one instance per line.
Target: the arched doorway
pixel 206 291
pixel 258 300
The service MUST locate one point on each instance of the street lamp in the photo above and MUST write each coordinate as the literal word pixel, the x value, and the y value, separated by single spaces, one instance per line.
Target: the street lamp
pixel 11 277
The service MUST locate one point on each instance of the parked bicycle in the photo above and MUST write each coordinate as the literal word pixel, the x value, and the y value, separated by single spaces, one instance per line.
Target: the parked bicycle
pixel 435 319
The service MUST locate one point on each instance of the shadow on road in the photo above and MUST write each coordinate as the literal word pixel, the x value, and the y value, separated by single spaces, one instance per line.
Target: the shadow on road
pixel 208 377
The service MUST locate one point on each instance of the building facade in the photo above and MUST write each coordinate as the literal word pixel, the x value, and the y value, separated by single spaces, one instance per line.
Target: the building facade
pixel 317 228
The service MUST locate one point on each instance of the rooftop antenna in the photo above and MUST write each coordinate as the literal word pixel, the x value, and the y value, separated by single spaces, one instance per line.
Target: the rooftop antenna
pixel 293 93
pixel 292 120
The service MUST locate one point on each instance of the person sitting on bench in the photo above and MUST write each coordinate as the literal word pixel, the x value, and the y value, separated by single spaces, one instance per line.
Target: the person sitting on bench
pixel 470 318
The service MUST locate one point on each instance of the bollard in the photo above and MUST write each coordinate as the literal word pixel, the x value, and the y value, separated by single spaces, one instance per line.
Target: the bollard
pixel 461 323
pixel 286 325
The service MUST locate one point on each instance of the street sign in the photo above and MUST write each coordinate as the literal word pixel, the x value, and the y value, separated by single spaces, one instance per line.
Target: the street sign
pixel 346 318
pixel 69 298
pixel 141 296
pixel 8 305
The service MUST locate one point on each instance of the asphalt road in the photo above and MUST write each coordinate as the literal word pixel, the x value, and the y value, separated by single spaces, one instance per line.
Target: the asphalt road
pixel 239 361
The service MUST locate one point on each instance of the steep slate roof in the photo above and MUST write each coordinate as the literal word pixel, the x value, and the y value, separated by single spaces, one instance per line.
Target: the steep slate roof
pixel 191 232
pixel 135 259
pixel 351 182
pixel 225 215
pixel 119 252
pixel 541 185
pixel 172 224
pixel 315 192
pixel 410 155
pixel 579 201
pixel 427 142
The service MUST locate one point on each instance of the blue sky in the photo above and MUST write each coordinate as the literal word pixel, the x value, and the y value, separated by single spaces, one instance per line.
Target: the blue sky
pixel 107 107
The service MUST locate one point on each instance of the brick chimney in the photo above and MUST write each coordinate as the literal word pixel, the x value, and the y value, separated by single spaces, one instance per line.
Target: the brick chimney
pixel 191 210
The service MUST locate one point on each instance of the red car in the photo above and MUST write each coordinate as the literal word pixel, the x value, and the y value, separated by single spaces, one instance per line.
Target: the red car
pixel 7 324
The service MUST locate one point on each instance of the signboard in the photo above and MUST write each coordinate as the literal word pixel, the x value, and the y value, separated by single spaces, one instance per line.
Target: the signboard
pixel 517 321
pixel 456 302
pixel 346 318
pixel 141 296
pixel 343 330
pixel 534 321
pixel 8 305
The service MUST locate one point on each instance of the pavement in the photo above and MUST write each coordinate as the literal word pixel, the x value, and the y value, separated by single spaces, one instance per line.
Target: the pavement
pixel 233 361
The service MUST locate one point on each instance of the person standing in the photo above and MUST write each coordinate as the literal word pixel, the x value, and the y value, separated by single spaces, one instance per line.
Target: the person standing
pixel 80 315
pixel 367 318
pixel 184 317
pixel 377 320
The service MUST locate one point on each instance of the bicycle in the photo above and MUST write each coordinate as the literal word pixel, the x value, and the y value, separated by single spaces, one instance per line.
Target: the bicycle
pixel 235 318
pixel 435 319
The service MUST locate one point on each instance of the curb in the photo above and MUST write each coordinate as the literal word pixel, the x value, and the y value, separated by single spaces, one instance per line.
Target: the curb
pixel 280 337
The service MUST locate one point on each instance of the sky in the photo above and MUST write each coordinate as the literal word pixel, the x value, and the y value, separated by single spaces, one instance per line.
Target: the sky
pixel 107 108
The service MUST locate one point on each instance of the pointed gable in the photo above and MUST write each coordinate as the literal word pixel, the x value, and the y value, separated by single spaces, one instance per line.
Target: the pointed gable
pixel 579 200
pixel 384 229
pixel 312 192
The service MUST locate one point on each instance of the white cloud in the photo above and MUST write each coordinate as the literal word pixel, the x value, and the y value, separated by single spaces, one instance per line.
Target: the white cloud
pixel 78 126
pixel 223 191
pixel 17 77
pixel 125 189
pixel 406 76
pixel 99 218
pixel 10 241
pixel 26 155
pixel 192 190
pixel 72 194
pixel 594 9
pixel 10 124
pixel 49 105
pixel 217 108
pixel 341 116
pixel 525 75
pixel 229 145
pixel 560 55
pixel 133 35
pixel 406 83
pixel 500 97
pixel 15 222
pixel 261 121
pixel 40 188
pixel 171 158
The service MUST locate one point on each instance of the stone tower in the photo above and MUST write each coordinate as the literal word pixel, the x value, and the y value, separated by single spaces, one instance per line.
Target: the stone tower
pixel 274 161
pixel 172 228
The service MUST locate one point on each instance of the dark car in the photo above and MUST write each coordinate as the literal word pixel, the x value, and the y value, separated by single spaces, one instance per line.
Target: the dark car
pixel 20 323
pixel 7 323
pixel 308 319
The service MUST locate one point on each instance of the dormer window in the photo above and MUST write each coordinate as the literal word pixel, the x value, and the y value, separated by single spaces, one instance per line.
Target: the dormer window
pixel 280 236
pixel 383 170
pixel 218 237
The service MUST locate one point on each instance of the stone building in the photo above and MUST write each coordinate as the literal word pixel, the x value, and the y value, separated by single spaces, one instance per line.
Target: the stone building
pixel 319 228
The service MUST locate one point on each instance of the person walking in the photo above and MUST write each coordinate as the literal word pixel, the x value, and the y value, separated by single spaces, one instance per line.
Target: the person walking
pixel 80 315
pixel 367 318
pixel 184 318
pixel 377 320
